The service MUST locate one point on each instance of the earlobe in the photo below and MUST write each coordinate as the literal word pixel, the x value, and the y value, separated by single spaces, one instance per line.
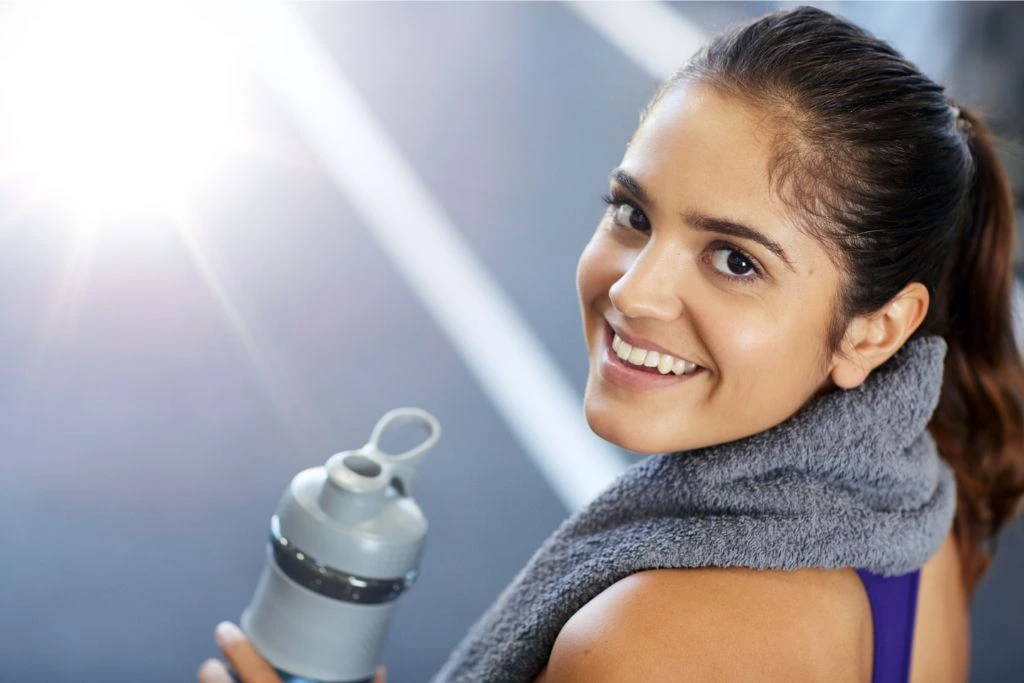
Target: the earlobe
pixel 846 374
pixel 847 369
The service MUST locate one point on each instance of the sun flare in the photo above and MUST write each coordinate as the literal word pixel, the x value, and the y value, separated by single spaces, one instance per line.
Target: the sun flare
pixel 111 109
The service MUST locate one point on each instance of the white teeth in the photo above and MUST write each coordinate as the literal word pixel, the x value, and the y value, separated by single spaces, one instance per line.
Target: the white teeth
pixel 651 359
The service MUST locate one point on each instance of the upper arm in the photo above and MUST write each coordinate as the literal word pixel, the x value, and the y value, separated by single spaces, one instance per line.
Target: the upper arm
pixel 694 625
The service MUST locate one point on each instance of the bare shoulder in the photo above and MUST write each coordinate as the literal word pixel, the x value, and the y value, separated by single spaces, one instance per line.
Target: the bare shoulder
pixel 941 650
pixel 719 624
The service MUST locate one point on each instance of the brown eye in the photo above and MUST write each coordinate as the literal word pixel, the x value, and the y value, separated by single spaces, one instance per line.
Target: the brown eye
pixel 733 263
pixel 628 216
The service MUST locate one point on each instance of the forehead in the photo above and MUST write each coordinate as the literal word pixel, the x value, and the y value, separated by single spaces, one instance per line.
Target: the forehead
pixel 698 143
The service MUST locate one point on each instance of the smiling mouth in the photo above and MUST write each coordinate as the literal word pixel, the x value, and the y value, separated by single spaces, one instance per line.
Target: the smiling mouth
pixel 647 361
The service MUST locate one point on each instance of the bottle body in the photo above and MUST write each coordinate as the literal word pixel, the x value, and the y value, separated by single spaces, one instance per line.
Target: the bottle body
pixel 312 636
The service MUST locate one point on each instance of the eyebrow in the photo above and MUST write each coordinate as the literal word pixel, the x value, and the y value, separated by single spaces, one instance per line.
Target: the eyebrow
pixel 704 222
pixel 727 227
pixel 631 184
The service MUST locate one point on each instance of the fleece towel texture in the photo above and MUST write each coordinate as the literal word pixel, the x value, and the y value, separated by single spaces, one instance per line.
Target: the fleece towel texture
pixel 852 480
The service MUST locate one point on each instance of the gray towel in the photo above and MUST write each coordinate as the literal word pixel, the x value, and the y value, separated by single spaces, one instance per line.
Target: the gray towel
pixel 852 480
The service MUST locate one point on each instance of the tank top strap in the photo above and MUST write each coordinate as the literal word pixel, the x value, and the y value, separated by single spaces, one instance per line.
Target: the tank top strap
pixel 893 606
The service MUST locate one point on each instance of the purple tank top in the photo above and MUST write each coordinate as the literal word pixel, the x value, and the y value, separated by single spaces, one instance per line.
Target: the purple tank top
pixel 893 604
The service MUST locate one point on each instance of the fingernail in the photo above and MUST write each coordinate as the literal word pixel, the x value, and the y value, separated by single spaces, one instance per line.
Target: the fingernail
pixel 213 671
pixel 227 634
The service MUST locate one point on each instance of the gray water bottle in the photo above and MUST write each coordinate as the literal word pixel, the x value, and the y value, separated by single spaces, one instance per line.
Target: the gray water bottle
pixel 345 544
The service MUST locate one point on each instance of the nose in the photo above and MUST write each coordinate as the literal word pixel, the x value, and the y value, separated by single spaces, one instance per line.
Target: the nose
pixel 648 287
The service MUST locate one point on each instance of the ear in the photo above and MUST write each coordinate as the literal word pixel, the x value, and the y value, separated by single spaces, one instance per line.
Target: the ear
pixel 872 339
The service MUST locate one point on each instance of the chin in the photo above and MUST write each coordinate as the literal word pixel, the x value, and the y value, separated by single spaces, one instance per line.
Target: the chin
pixel 617 429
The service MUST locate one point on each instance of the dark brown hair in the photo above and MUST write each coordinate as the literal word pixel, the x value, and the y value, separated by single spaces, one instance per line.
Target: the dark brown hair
pixel 903 186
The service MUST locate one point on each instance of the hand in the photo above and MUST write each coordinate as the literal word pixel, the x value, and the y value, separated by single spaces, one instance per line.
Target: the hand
pixel 246 662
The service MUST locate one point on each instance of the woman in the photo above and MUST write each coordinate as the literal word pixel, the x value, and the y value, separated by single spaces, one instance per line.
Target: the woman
pixel 800 291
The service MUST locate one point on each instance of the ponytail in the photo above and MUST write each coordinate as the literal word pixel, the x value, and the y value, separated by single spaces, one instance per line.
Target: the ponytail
pixel 979 422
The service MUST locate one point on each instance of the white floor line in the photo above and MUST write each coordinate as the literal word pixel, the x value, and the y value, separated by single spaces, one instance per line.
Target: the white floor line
pixel 656 37
pixel 528 389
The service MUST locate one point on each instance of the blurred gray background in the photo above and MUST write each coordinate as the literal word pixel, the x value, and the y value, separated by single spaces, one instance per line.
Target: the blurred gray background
pixel 160 385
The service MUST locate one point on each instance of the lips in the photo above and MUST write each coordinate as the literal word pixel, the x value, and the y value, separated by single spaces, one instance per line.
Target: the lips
pixel 645 348
pixel 637 375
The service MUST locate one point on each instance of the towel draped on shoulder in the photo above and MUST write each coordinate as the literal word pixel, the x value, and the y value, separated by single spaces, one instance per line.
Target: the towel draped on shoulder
pixel 852 480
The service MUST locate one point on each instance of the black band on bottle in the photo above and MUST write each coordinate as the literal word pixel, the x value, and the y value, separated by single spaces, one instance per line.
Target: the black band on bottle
pixel 329 581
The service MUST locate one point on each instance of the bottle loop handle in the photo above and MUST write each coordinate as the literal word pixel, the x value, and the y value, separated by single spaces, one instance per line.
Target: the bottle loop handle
pixel 400 417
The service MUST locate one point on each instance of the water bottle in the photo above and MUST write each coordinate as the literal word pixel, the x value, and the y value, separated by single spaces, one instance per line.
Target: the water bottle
pixel 345 544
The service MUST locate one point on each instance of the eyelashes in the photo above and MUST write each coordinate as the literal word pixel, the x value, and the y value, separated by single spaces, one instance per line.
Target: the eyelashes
pixel 628 216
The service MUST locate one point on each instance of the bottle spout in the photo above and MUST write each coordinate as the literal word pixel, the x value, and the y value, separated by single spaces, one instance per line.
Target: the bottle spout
pixel 355 488
pixel 357 482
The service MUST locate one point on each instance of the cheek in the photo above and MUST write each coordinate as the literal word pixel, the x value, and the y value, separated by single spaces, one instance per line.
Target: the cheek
pixel 768 351
pixel 596 271
pixel 748 340
pixel 584 271
pixel 736 329
pixel 755 339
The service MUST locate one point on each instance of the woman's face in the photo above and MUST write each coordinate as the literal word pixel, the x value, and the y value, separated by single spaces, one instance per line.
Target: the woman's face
pixel 699 269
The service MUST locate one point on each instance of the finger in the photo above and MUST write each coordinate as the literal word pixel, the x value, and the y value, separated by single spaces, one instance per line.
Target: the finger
pixel 382 675
pixel 242 656
pixel 213 671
